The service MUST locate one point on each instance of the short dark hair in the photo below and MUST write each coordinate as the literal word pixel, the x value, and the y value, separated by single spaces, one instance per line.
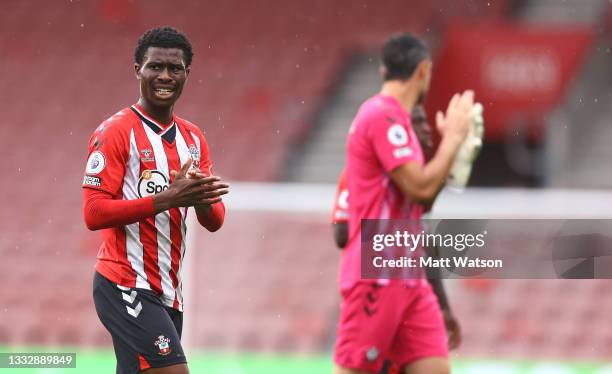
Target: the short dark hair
pixel 163 37
pixel 401 54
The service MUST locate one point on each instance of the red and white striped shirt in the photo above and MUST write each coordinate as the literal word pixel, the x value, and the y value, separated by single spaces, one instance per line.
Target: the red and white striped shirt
pixel 130 157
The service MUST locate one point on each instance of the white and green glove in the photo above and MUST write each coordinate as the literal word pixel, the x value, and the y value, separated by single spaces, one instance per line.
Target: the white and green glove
pixel 468 151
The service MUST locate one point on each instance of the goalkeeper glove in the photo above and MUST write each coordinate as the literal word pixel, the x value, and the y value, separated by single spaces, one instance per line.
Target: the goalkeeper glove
pixel 468 151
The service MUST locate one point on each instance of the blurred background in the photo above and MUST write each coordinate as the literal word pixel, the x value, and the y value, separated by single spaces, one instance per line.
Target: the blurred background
pixel 275 85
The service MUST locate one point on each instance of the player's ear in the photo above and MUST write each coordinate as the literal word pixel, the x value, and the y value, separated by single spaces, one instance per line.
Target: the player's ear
pixel 187 71
pixel 137 70
pixel 382 71
pixel 423 68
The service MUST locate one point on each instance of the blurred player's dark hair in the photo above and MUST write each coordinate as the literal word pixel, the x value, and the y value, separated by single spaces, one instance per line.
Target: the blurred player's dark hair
pixel 163 37
pixel 401 54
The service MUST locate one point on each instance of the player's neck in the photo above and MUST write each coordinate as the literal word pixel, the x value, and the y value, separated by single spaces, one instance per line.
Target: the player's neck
pixel 162 115
pixel 402 92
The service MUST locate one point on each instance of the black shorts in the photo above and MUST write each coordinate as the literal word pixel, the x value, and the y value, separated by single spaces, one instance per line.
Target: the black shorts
pixel 145 332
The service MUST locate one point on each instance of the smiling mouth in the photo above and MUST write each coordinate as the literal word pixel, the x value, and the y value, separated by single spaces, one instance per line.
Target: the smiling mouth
pixel 163 92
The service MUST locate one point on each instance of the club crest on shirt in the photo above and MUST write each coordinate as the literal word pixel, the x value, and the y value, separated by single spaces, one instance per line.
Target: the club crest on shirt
pixel 152 182
pixel 194 152
pixel 163 344
pixel 147 155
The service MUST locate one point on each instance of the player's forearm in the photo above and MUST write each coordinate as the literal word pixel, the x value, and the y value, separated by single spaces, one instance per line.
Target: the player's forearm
pixel 438 288
pixel 435 280
pixel 162 202
pixel 101 211
pixel 423 183
pixel 436 171
pixel 211 216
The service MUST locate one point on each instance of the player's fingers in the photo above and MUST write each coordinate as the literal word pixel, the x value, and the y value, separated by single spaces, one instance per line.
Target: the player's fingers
pixel 206 200
pixel 440 121
pixel 197 174
pixel 208 190
pixel 205 180
pixel 216 193
pixel 467 100
pixel 211 201
pixel 200 195
pixel 216 186
pixel 470 95
pixel 183 172
pixel 173 173
pixel 452 104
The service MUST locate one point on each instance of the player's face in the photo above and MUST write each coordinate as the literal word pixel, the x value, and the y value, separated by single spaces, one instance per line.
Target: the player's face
pixel 162 76
pixel 418 116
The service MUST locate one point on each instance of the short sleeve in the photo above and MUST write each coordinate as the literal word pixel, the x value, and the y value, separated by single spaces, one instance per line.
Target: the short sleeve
pixel 340 212
pixel 106 159
pixel 393 143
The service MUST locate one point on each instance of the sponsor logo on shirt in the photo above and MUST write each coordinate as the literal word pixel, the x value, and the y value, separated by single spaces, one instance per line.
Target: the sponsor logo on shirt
pixel 95 163
pixel 152 182
pixel 402 152
pixel 88 180
pixel 397 135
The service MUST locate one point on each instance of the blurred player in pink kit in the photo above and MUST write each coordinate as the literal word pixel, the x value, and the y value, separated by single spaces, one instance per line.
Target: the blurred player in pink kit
pixel 387 178
pixel 340 218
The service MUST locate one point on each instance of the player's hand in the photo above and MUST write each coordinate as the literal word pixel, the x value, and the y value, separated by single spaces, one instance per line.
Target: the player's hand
pixel 216 188
pixel 453 330
pixel 456 122
pixel 185 192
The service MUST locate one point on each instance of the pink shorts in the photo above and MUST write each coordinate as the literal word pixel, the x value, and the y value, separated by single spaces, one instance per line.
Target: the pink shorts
pixel 393 322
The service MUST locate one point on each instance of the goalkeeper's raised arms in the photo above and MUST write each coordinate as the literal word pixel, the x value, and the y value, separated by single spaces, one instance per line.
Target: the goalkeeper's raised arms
pixel 422 183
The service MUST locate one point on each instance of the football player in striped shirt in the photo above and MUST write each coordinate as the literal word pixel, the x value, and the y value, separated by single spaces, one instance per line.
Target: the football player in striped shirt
pixel 146 166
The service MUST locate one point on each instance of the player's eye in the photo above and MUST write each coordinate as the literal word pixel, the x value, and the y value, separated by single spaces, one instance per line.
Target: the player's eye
pixel 176 69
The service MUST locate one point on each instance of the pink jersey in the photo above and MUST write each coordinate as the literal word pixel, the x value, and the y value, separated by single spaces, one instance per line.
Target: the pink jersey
pixel 381 138
pixel 130 157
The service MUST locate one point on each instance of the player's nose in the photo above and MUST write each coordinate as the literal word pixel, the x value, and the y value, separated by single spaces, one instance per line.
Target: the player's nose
pixel 164 75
